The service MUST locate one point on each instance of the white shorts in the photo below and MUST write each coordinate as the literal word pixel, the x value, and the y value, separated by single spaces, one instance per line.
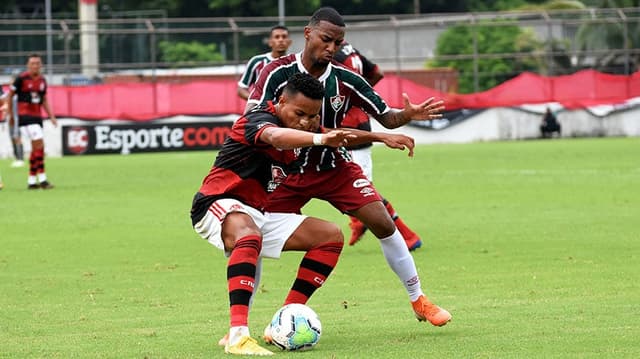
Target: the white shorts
pixel 276 228
pixel 362 157
pixel 33 132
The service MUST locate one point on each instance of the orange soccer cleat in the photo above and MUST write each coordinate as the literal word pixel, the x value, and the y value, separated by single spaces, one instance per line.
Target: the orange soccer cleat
pixel 425 310
pixel 357 230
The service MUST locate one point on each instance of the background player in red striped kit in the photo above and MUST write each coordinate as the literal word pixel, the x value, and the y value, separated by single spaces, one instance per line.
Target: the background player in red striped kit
pixel 356 118
pixel 31 89
pixel 335 178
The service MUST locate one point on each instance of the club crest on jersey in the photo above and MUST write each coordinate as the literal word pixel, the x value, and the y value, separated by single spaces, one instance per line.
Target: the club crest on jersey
pixel 336 102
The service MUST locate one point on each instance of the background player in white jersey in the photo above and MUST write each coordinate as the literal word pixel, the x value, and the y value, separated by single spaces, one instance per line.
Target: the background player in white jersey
pixel 279 43
pixel 356 118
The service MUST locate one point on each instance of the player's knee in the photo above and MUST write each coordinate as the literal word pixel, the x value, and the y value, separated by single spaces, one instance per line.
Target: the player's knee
pixel 239 225
pixel 382 228
pixel 333 234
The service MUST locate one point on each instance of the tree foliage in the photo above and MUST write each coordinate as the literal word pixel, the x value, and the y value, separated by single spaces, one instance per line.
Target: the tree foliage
pixel 189 52
pixel 502 39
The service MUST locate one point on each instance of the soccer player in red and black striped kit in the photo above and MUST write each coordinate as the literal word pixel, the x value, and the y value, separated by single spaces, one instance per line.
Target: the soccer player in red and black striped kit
pixel 227 210
pixel 326 174
pixel 31 88
pixel 356 118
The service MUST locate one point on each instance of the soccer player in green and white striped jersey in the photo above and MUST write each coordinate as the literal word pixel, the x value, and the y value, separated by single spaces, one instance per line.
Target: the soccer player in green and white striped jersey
pixel 279 43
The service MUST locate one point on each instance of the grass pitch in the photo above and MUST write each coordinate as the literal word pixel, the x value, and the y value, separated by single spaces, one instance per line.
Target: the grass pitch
pixel 533 246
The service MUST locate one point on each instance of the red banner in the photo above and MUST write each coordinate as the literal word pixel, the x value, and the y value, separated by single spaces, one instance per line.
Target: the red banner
pixel 145 101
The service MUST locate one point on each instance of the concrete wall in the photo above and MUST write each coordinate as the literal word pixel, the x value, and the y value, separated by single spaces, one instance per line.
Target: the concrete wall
pixel 496 124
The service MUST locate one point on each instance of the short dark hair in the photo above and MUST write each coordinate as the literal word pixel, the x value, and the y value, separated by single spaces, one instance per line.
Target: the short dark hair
pixel 33 54
pixel 328 14
pixel 306 84
pixel 278 27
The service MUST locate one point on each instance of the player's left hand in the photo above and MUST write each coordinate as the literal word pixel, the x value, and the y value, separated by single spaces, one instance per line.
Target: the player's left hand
pixel 428 110
pixel 337 138
pixel 399 141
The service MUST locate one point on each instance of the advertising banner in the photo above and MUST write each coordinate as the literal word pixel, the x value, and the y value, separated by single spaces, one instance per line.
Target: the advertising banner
pixel 143 137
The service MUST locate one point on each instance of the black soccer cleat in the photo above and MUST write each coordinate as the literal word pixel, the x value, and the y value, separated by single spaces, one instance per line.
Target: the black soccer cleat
pixel 33 186
pixel 46 185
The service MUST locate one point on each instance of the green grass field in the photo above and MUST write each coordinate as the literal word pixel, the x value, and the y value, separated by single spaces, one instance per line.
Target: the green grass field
pixel 533 246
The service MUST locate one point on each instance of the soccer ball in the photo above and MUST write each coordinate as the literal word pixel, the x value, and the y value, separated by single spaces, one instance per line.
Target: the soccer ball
pixel 295 327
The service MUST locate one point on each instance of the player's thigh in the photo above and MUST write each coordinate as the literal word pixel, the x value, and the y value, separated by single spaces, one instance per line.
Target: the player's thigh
pixel 375 216
pixel 33 132
pixel 227 220
pixel 313 232
pixel 15 130
pixel 277 229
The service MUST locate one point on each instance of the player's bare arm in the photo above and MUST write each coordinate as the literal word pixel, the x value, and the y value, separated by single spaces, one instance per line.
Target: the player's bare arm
pixel 243 93
pixel 288 138
pixel 47 109
pixel 427 110
pixel 392 140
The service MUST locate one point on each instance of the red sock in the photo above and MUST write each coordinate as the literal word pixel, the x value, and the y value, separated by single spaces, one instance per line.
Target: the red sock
pixel 314 269
pixel 39 160
pixel 241 274
pixel 34 160
pixel 407 233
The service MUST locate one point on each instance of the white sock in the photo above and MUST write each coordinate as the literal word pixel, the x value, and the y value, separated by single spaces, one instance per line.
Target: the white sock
pixel 42 177
pixel 32 180
pixel 235 333
pixel 401 262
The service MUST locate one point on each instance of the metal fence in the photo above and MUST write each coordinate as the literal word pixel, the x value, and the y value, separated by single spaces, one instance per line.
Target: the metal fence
pixel 397 42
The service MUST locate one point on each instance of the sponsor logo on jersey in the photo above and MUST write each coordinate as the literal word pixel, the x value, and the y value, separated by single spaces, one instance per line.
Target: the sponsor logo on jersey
pixel 278 175
pixel 336 102
pixel 361 182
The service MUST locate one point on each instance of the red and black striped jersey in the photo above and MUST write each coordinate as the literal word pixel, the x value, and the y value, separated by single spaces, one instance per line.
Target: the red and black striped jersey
pixel 343 88
pixel 243 167
pixel 31 92
pixel 350 57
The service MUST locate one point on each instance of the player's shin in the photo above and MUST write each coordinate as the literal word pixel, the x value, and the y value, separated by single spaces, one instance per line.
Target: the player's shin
pixel 401 262
pixel 314 269
pixel 241 271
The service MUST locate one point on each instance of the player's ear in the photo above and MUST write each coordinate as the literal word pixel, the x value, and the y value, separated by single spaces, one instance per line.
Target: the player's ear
pixel 307 31
pixel 282 99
